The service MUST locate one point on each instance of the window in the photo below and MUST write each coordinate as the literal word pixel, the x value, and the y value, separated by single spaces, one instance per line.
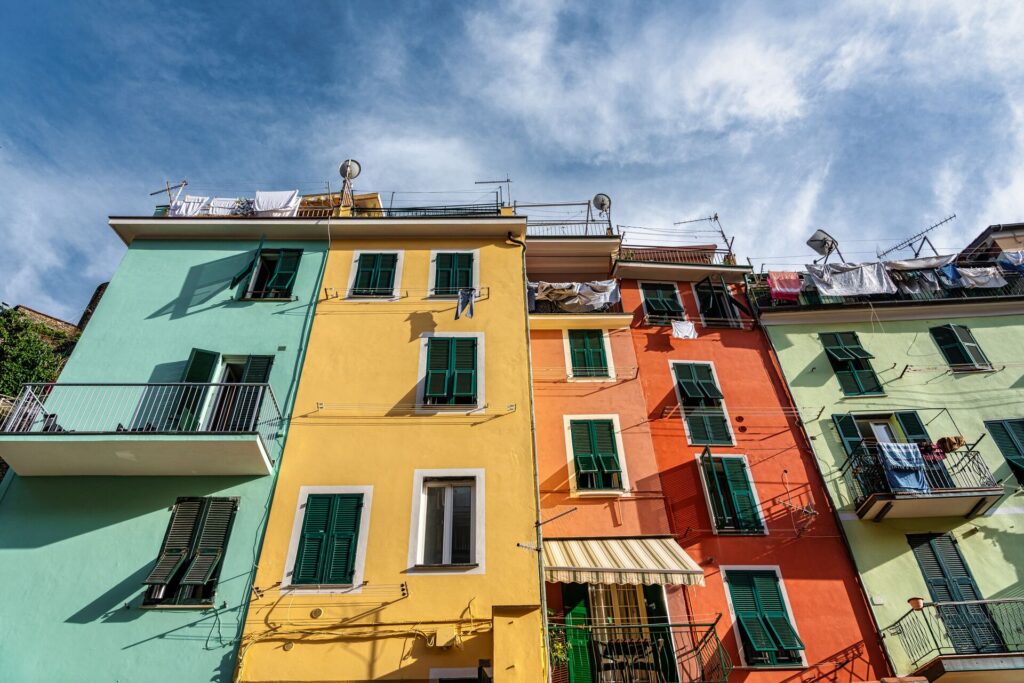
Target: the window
pixel 328 540
pixel 190 559
pixel 717 307
pixel 731 492
pixel 274 274
pixel 702 405
pixel 851 363
pixel 452 271
pixel 586 349
pixel 448 522
pixel 1009 437
pixel 960 349
pixel 375 275
pixel 595 455
pixel 767 634
pixel 451 374
pixel 661 303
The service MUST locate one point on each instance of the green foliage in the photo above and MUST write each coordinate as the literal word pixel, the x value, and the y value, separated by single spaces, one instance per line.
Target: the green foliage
pixel 29 351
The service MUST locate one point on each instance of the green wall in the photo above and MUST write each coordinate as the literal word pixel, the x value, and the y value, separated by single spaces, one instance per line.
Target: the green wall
pixel 992 544
pixel 74 550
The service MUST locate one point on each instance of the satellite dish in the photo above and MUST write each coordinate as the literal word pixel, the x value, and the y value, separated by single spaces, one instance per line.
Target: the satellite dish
pixel 602 202
pixel 349 169
pixel 822 243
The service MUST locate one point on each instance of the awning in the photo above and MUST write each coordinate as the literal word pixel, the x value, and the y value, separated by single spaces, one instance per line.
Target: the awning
pixel 650 560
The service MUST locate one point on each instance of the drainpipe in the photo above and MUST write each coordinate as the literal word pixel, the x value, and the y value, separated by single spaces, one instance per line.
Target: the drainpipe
pixel 536 472
pixel 835 508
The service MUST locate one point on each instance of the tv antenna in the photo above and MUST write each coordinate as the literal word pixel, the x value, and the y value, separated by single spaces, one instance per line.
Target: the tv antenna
pixel 824 244
pixel 917 242
pixel 507 182
pixel 713 218
pixel 349 171
pixel 168 187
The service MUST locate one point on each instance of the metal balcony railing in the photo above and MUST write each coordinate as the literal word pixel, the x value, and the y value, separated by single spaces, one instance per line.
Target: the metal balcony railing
pixel 968 627
pixel 551 308
pixel 760 295
pixel 637 653
pixel 169 408
pixel 964 470
pixel 448 210
pixel 678 255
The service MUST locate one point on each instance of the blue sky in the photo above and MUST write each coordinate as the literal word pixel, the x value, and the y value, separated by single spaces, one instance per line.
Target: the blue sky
pixel 868 119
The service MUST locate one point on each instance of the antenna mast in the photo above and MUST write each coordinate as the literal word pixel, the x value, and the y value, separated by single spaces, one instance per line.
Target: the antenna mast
pixel 920 238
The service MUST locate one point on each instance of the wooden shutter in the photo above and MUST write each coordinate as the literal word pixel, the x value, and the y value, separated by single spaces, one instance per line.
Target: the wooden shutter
pixel 313 540
pixel 438 357
pixel 971 347
pixel 464 367
pixel 384 280
pixel 339 565
pixel 463 270
pixel 912 426
pixel 773 608
pixel 748 613
pixel 653 302
pixel 868 381
pixel 718 427
pixel 177 541
pixel 365 274
pixel 285 270
pixel 741 491
pixel 954 353
pixel 706 379
pixel 606 451
pixel 583 454
pixel 444 275
pixel 851 342
pixel 1009 437
pixel 250 264
pixel 200 369
pixel 689 387
pixel 577 632
pixel 201 366
pixel 849 434
pixel 833 348
pixel 717 491
pixel 213 539
pixel 586 350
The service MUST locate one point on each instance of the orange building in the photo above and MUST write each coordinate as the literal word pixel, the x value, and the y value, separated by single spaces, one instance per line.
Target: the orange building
pixel 745 500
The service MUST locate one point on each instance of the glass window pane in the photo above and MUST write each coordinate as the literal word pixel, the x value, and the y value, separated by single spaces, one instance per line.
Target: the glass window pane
pixel 433 536
pixel 462 524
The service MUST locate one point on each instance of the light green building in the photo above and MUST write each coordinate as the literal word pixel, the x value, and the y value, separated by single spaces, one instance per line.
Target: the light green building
pixel 914 405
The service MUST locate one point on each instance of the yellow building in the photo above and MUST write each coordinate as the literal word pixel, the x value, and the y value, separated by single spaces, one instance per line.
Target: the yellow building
pixel 401 542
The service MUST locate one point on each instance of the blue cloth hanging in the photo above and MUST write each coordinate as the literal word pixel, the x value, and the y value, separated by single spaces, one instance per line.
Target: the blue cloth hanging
pixel 950 275
pixel 904 467
pixel 465 303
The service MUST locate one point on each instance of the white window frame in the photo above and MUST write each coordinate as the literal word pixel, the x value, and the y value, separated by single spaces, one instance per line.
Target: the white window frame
pixel 421 381
pixel 679 400
pixel 737 634
pixel 396 285
pixel 571 458
pixel 446 533
pixel 567 351
pixel 643 300
pixel 753 489
pixel 737 321
pixel 361 541
pixel 432 275
pixel 417 522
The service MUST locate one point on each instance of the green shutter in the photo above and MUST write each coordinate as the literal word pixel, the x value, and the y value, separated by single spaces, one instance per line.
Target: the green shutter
pixel 365 269
pixel 606 451
pixel 742 493
pixel 213 539
pixel 753 627
pixel 868 381
pixel 313 540
pixel 177 541
pixel 773 607
pixel 201 366
pixel 257 369
pixel 464 368
pixel 971 346
pixel 287 266
pixel 912 426
pixel 250 264
pixel 586 350
pixel 718 428
pixel 327 546
pixel 689 387
pixel 438 357
pixel 706 379
pixel 339 565
pixel 661 303
pixel 444 275
pixel 464 270
pixel 699 428
pixel 1009 437
pixel 583 453
pixel 954 353
pixel 577 633
pixel 200 369
pixel 851 363
pixel 385 278
pixel 375 275
pixel 851 342
pixel 849 434
pixel 717 491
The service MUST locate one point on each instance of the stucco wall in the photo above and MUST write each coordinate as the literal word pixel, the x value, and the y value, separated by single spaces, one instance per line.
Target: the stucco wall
pixel 991 544
pixel 74 550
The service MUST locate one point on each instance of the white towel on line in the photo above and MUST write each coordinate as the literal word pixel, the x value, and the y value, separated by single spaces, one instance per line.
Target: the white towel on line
pixel 285 203
pixel 191 205
pixel 683 329
pixel 222 206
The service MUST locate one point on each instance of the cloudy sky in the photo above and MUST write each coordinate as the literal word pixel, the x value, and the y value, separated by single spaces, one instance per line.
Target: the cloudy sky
pixel 868 119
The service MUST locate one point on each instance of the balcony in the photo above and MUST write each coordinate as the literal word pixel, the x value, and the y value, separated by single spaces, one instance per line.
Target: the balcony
pixel 958 485
pixel 650 652
pixel 577 305
pixel 688 264
pixel 142 430
pixel 973 640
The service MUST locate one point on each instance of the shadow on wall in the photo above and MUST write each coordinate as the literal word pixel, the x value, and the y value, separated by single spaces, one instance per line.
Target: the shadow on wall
pixel 202 283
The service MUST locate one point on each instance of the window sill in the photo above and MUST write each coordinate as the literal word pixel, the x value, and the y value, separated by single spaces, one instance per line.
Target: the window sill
pixel 269 298
pixel 178 607
pixel 713 443
pixel 444 567
pixel 881 395
pixel 972 371
pixel 741 532
pixel 591 378
pixel 599 493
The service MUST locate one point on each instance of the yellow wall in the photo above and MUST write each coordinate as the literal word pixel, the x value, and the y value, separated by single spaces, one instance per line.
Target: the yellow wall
pixel 362 364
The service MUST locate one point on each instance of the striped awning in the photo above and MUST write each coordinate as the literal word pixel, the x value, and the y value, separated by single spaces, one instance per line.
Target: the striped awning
pixel 650 560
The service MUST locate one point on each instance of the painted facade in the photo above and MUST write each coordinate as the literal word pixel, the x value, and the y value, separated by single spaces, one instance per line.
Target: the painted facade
pixel 426 595
pixel 744 498
pixel 75 549
pixel 970 497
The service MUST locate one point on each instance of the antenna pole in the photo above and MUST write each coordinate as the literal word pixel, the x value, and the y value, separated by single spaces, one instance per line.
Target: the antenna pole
pixel 920 238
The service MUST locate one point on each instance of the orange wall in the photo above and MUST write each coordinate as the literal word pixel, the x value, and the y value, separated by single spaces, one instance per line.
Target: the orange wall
pixel 819 578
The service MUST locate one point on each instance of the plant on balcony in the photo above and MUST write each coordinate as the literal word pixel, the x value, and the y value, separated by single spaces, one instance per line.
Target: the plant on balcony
pixel 29 351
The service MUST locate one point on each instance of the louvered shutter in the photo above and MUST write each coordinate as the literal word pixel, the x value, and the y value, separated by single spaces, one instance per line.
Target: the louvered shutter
pixel 247 399
pixel 774 611
pixel 971 347
pixel 285 270
pixel 946 339
pixel 384 282
pixel 583 454
pixel 706 379
pixel 213 539
pixel 586 350
pixel 177 541
pixel 311 554
pixel 717 491
pixel 604 447
pixel 199 370
pixel 689 387
pixel 438 357
pixel 833 347
pixel 652 300
pixel 577 632
pixel 851 342
pixel 718 427
pixel 444 275
pixel 578 353
pixel 339 565
pixel 849 434
pixel 250 264
pixel 463 270
pixel 1009 438
pixel 699 427
pixel 742 493
pixel 912 426
pixel 744 602
pixel 464 368
pixel 869 383
pixel 365 269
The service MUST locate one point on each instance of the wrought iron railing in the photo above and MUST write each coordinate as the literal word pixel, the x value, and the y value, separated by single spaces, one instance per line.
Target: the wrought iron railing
pixel 637 653
pixel 760 294
pixel 169 408
pixel 570 228
pixel 866 473
pixel 968 627
pixel 678 255
pixel 544 307
pixel 449 210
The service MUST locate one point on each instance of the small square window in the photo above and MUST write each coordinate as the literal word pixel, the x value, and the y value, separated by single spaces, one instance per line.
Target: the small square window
pixel 274 274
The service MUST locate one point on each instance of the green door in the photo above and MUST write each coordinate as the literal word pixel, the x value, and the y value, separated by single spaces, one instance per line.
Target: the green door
pixel 577 632
pixel 661 634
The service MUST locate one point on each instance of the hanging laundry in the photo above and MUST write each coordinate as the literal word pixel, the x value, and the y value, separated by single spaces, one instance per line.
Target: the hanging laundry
pixel 851 279
pixel 922 263
pixel 683 329
pixel 1012 260
pixel 917 281
pixel 222 206
pixel 189 206
pixel 949 274
pixel 981 278
pixel 465 303
pixel 904 466
pixel 784 285
pixel 931 452
pixel 951 443
pixel 579 297
pixel 284 203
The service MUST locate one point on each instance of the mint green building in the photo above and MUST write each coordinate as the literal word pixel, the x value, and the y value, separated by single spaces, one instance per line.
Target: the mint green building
pixel 914 405
pixel 140 482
